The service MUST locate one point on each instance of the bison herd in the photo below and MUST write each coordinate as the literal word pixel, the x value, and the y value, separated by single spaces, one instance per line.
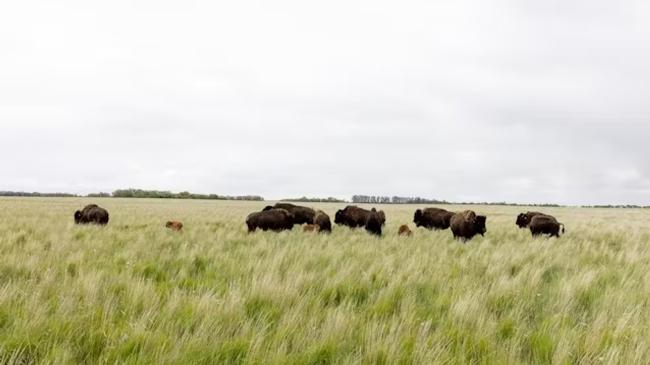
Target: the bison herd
pixel 464 225
pixel 283 216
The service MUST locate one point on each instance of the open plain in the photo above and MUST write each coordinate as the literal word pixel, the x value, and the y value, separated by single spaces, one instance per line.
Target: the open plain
pixel 136 292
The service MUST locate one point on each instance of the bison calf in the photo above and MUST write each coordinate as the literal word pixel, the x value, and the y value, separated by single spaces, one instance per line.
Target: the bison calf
pixel 174 225
pixel 310 228
pixel 404 230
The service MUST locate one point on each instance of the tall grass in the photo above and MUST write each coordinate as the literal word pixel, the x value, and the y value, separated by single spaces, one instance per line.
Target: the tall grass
pixel 134 292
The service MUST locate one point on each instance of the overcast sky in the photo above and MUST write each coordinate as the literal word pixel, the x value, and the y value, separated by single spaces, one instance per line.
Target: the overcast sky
pixel 519 101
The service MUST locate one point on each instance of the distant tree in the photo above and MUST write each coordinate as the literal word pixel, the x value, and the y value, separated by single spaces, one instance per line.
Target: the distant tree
pixel 36 194
pixel 99 195
pixel 315 200
pixel 138 193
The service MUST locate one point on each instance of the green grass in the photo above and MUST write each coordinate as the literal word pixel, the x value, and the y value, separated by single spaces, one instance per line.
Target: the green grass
pixel 136 293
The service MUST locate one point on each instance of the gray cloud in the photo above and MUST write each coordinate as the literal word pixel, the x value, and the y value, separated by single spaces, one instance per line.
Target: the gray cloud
pixel 519 101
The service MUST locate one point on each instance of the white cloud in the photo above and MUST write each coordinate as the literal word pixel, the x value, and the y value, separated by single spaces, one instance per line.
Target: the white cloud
pixel 466 100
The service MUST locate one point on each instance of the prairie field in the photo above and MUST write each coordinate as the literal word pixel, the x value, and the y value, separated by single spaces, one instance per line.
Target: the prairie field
pixel 134 292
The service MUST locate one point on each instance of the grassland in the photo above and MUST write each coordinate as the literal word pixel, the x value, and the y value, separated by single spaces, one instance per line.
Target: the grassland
pixel 134 292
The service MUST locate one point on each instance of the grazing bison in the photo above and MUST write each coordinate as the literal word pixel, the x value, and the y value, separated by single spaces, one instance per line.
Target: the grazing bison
pixel 374 221
pixel 404 230
pixel 91 214
pixel 174 225
pixel 322 221
pixel 432 218
pixel 353 216
pixel 523 219
pixel 467 224
pixel 545 224
pixel 301 215
pixel 271 219
pixel 310 228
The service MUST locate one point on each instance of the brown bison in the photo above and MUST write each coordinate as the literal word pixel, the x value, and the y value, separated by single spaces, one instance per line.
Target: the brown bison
pixel 404 230
pixel 91 214
pixel 374 221
pixel 322 221
pixel 301 215
pixel 174 225
pixel 545 224
pixel 467 224
pixel 353 216
pixel 523 219
pixel 432 218
pixel 310 228
pixel 270 219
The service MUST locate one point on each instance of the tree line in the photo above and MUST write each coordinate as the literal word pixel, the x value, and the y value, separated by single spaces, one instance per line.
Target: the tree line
pixel 35 194
pixel 157 194
pixel 304 199
pixel 137 193
pixel 370 199
pixel 358 199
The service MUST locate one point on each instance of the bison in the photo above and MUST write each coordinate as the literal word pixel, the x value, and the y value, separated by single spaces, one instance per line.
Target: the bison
pixel 523 219
pixel 322 221
pixel 467 224
pixel 301 215
pixel 91 214
pixel 545 224
pixel 353 216
pixel 270 219
pixel 310 228
pixel 404 230
pixel 374 221
pixel 432 218
pixel 174 225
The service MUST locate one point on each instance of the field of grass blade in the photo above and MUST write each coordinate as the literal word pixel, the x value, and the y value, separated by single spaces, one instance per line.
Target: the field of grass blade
pixel 135 292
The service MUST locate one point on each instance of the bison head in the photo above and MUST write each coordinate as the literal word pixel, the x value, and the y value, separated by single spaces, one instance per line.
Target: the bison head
pixel 77 217
pixel 522 220
pixel 338 217
pixel 417 217
pixel 480 224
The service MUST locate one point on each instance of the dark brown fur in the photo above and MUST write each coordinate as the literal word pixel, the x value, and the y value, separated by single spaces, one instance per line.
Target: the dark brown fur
pixel 272 219
pixel 301 215
pixel 353 216
pixel 544 224
pixel 523 219
pixel 432 218
pixel 323 222
pixel 91 214
pixel 374 222
pixel 467 224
